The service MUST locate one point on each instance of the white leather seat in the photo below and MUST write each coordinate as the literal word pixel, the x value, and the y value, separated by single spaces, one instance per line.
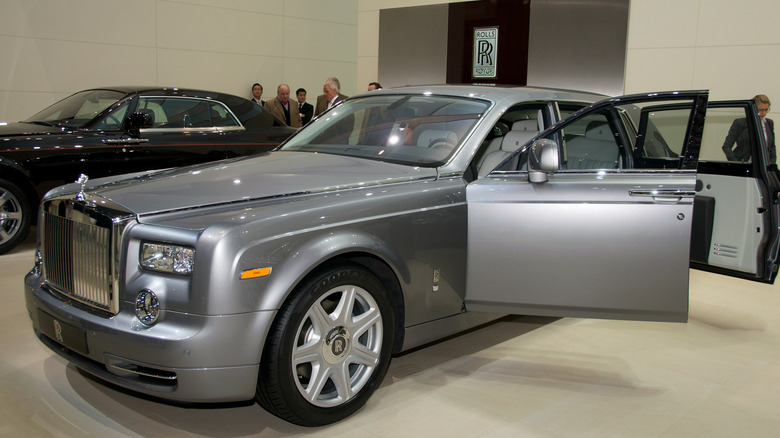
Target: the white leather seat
pixel 596 149
pixel 430 137
pixel 522 131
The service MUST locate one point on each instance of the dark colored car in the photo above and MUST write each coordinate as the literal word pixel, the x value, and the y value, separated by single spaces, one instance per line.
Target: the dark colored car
pixel 118 130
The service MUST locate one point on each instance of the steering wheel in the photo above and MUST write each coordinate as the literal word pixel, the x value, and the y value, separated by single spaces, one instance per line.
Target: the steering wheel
pixel 442 143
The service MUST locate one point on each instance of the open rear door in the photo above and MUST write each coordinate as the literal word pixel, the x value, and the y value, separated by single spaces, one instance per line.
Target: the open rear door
pixel 604 232
pixel 735 228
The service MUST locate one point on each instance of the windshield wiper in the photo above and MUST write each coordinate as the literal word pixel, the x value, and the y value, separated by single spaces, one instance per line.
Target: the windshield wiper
pixel 40 122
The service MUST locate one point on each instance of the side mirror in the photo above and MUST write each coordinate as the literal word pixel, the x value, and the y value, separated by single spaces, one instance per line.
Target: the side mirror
pixel 543 158
pixel 139 120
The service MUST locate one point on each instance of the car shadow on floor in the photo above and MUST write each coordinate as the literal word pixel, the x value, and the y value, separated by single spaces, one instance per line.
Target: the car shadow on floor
pixel 141 414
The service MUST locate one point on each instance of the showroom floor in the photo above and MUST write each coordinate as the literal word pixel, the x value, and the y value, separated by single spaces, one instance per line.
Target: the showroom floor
pixel 716 376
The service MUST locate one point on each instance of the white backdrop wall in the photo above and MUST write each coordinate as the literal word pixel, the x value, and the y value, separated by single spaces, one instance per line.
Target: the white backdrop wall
pixel 52 48
pixel 730 47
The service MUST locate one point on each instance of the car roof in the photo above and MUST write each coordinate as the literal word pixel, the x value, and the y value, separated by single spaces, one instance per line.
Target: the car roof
pixel 495 93
pixel 165 91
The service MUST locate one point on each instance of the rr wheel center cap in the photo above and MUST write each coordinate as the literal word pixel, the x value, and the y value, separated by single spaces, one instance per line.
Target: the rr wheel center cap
pixel 336 345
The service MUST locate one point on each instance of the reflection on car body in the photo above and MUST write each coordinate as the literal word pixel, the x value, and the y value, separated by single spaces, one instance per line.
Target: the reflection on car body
pixel 394 219
pixel 117 130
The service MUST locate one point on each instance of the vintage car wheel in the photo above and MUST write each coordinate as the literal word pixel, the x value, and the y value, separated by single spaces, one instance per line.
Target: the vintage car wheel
pixel 15 216
pixel 329 348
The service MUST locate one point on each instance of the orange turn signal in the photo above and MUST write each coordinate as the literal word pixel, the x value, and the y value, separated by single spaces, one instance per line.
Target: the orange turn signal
pixel 255 273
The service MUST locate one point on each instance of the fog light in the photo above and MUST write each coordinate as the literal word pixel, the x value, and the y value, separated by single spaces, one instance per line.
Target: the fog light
pixel 147 307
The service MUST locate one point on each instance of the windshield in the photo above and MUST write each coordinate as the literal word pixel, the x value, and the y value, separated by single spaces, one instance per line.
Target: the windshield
pixel 417 130
pixel 77 110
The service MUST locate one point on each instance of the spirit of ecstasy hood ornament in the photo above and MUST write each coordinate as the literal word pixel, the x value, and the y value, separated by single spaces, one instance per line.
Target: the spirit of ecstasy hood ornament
pixel 83 182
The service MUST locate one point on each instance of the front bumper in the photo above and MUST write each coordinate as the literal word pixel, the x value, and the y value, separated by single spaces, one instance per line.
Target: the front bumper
pixel 184 357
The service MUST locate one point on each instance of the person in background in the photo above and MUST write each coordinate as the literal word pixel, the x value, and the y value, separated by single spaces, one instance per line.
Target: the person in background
pixel 257 93
pixel 305 109
pixel 374 86
pixel 738 133
pixel 329 97
pixel 283 109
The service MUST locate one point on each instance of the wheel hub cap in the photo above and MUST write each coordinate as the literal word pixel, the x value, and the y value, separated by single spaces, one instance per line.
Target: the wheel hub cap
pixel 336 345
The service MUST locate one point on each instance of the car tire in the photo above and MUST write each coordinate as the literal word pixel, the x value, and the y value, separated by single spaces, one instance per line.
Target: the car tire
pixel 329 347
pixel 15 216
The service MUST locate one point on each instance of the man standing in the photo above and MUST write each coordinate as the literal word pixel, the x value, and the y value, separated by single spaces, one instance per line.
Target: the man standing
pixel 738 133
pixel 330 96
pixel 257 93
pixel 305 109
pixel 281 107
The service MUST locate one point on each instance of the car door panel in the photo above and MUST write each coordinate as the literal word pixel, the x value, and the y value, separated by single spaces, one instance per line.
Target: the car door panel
pixel 736 198
pixel 600 243
pixel 568 248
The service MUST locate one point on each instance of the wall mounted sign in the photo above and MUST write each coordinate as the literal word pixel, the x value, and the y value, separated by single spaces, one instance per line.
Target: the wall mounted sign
pixel 485 52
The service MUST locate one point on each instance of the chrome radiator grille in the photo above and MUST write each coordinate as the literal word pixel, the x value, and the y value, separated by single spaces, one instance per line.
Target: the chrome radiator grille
pixel 79 250
pixel 77 260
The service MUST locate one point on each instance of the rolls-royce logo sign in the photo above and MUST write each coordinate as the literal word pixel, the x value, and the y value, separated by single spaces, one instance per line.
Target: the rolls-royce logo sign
pixel 485 52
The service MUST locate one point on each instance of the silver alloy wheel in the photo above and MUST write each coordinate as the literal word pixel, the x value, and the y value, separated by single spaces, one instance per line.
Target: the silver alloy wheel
pixel 338 346
pixel 10 215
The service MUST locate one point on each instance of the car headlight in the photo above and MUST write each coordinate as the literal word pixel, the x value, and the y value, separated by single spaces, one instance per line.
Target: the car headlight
pixel 168 258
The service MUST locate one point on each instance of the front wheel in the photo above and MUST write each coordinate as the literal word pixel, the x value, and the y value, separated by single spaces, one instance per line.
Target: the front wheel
pixel 15 216
pixel 328 349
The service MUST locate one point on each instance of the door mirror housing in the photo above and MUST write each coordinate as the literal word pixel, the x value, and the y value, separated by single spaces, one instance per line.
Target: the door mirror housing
pixel 139 120
pixel 543 158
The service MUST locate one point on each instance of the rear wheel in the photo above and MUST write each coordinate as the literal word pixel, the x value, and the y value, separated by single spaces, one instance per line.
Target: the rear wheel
pixel 329 348
pixel 15 216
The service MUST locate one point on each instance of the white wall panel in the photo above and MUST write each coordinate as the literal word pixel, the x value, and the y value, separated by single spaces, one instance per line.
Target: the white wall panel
pixel 728 47
pixel 738 23
pixel 225 72
pixel 32 64
pixel 269 7
pixel 332 11
pixel 735 72
pixel 322 40
pixel 213 29
pixel 53 48
pixel 659 69
pixel 663 23
pixel 122 22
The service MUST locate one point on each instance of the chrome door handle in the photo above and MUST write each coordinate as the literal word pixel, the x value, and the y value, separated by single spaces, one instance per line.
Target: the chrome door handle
pixel 663 194
pixel 125 140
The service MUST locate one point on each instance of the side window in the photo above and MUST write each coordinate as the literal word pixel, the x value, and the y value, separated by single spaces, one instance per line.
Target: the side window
pixel 113 120
pixel 516 127
pixel 220 116
pixel 664 135
pixel 726 137
pixel 644 135
pixel 591 144
pixel 177 112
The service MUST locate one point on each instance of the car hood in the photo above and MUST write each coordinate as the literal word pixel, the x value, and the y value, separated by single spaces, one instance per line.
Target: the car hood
pixel 26 129
pixel 270 175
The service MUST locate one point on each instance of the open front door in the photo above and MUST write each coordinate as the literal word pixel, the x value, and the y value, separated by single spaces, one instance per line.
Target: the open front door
pixel 604 231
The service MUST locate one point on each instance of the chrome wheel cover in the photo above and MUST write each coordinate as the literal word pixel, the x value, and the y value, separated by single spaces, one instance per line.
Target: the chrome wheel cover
pixel 10 215
pixel 337 346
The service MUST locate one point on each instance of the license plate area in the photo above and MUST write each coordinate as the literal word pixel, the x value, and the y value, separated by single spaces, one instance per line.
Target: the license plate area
pixel 63 333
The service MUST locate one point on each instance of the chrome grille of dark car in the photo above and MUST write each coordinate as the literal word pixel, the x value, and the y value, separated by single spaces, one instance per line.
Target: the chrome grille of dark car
pixel 77 261
pixel 79 250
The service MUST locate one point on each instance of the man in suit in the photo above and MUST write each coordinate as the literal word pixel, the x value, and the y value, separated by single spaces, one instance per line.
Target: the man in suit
pixel 739 134
pixel 329 97
pixel 257 93
pixel 305 109
pixel 283 109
